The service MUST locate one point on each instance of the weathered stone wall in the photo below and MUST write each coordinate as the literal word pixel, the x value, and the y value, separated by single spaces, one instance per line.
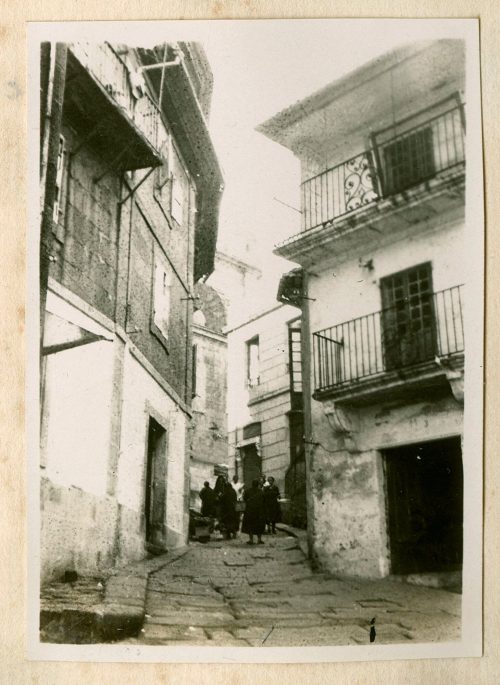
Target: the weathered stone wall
pixel 96 235
pixel 78 530
pixel 347 480
pixel 208 431
pixel 85 244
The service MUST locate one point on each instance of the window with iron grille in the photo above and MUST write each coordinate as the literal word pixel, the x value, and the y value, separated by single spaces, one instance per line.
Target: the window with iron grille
pixel 409 160
pixel 408 318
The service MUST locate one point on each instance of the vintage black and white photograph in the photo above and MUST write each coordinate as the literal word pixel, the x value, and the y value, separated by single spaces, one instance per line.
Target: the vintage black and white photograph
pixel 257 272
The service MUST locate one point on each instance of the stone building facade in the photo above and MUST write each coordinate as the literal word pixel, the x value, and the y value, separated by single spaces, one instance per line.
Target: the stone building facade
pixel 382 256
pixel 265 403
pixel 130 192
pixel 209 390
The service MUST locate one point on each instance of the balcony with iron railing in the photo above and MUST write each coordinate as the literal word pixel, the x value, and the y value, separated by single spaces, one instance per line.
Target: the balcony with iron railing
pixel 401 156
pixel 115 103
pixel 416 339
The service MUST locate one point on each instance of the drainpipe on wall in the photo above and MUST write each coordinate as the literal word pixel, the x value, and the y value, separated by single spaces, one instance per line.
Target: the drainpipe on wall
pixel 307 396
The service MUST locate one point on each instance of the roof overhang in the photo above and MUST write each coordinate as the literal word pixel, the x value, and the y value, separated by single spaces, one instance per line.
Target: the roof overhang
pixel 409 75
pixel 106 126
pixel 189 127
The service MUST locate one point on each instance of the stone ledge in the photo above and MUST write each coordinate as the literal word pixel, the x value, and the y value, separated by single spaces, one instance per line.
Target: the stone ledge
pixel 120 615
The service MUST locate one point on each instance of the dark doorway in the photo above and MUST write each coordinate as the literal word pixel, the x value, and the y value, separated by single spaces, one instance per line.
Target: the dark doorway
pixel 252 464
pixel 425 506
pixel 156 483
pixel 408 320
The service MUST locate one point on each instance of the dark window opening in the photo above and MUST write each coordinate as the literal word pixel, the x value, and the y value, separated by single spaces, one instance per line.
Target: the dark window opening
pixel 409 160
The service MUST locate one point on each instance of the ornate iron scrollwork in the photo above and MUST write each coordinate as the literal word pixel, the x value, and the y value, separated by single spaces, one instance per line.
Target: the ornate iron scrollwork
pixel 360 181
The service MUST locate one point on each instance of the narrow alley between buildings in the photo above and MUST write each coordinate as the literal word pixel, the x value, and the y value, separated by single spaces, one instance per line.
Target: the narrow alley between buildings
pixel 225 593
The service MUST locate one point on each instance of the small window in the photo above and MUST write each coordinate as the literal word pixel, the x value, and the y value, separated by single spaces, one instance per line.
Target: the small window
pixel 199 318
pixel 295 355
pixel 162 180
pixel 161 294
pixel 199 378
pixel 171 183
pixel 60 176
pixel 177 199
pixel 253 377
pixel 194 370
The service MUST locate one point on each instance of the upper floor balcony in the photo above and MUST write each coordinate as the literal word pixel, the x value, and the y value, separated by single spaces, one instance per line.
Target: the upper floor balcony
pixel 394 164
pixel 417 343
pixel 112 101
pixel 413 169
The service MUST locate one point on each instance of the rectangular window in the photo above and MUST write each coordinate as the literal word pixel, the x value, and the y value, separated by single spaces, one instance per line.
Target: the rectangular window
pixel 172 183
pixel 409 160
pixel 408 319
pixel 253 378
pixel 161 294
pixel 177 199
pixel 194 369
pixel 295 356
pixel 60 176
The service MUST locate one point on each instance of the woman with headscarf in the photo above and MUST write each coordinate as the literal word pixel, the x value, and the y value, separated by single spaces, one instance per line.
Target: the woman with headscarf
pixel 254 520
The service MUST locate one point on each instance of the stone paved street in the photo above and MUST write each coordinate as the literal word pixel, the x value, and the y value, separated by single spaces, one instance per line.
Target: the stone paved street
pixel 227 593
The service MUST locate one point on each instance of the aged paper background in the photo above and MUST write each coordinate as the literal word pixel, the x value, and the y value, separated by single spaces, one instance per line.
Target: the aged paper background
pixel 14 667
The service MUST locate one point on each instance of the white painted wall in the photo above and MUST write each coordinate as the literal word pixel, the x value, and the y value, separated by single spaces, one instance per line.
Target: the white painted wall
pixel 86 521
pixel 76 406
pixel 144 397
pixel 354 291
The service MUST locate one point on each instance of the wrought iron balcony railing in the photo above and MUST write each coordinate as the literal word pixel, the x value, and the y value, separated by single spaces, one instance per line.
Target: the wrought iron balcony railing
pixel 397 161
pixel 110 70
pixel 411 333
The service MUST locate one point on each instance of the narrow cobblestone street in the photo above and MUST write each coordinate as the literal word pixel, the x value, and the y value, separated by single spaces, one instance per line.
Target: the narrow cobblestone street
pixel 227 593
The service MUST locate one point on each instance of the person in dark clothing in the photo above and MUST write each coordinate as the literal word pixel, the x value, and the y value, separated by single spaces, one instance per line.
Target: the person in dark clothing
pixel 207 497
pixel 272 506
pixel 254 521
pixel 220 486
pixel 228 519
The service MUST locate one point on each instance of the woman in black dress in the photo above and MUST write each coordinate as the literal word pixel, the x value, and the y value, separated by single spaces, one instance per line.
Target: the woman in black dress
pixel 254 520
pixel 219 487
pixel 272 505
pixel 228 517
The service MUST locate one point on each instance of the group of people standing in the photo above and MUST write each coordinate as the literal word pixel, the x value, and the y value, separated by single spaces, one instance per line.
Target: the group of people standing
pixel 227 500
